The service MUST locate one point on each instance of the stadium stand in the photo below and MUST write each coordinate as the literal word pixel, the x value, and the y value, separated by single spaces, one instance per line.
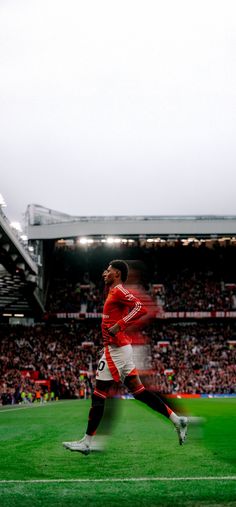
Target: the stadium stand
pixel 19 280
pixel 185 358
pixel 191 279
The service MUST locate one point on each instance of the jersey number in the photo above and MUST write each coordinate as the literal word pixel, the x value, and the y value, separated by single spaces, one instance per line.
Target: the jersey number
pixel 101 365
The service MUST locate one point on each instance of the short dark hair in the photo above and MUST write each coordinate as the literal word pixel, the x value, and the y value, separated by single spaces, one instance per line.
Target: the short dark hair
pixel 122 266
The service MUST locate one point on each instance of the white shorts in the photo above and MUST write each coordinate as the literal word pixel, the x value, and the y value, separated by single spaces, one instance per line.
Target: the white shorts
pixel 116 363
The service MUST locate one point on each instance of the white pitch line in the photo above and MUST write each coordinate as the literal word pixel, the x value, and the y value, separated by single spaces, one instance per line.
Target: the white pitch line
pixel 40 405
pixel 3 411
pixel 116 479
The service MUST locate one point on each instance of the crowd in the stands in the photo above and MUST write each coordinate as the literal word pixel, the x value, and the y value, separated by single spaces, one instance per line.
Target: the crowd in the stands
pixel 51 361
pixel 194 294
pixel 202 357
pixel 191 358
pixel 192 279
pixel 199 292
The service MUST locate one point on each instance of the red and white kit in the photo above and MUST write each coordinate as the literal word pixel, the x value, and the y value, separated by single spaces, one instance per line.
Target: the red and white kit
pixel 123 308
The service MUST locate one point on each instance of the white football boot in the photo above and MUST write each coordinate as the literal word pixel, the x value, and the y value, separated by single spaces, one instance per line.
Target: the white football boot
pixel 82 445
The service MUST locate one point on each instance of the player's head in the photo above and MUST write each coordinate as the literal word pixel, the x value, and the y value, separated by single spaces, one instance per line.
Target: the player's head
pixel 117 271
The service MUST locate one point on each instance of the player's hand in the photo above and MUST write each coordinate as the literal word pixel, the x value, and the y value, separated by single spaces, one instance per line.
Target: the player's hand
pixel 114 329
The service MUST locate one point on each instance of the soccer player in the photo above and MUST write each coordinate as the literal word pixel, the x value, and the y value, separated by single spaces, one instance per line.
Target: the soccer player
pixel 121 309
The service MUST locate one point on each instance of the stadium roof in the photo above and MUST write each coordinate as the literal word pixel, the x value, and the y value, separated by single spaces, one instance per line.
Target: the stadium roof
pixel 18 275
pixel 44 223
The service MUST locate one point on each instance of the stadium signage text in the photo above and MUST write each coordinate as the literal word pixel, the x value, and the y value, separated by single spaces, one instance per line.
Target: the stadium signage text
pixel 163 315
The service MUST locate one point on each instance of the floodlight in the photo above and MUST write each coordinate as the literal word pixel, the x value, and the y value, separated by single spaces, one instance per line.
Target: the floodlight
pixel 2 201
pixel 16 226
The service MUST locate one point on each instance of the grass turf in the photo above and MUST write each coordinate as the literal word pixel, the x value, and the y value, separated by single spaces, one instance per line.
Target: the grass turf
pixel 142 445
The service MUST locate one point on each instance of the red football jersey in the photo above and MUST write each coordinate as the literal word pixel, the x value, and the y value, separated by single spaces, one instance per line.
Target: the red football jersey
pixel 123 308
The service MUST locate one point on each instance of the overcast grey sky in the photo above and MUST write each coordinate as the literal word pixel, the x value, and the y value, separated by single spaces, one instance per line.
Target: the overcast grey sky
pixel 118 107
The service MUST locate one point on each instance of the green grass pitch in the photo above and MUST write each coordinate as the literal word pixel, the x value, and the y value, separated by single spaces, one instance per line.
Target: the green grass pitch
pixel 142 465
